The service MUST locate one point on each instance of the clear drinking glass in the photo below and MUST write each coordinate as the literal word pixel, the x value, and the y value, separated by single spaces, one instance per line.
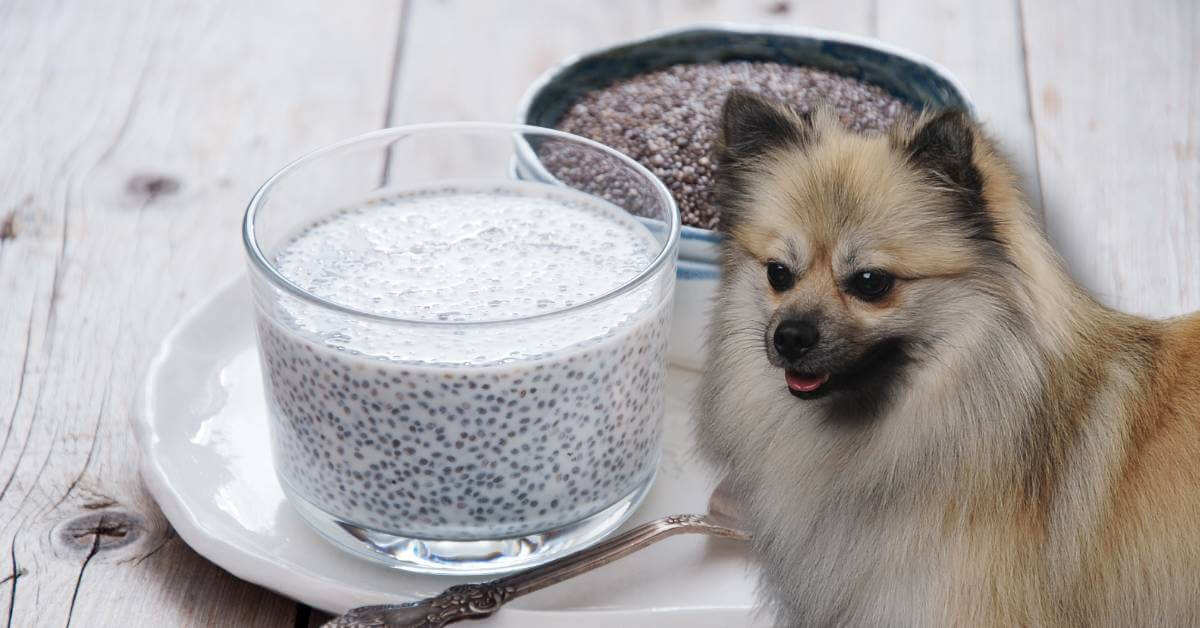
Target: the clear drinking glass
pixel 468 443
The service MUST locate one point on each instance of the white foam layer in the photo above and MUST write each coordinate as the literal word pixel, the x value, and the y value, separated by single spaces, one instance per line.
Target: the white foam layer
pixel 469 253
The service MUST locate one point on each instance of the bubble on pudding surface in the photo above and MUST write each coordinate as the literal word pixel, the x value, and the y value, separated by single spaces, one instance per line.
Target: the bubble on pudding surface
pixel 448 256
pixel 421 257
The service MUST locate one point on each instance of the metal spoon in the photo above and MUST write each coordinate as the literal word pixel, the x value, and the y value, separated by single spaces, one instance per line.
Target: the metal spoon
pixel 475 601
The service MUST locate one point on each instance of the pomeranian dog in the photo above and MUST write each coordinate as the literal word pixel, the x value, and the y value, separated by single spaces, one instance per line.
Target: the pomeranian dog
pixel 930 423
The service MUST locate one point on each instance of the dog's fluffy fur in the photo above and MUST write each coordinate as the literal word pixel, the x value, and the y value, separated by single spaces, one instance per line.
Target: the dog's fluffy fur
pixel 995 448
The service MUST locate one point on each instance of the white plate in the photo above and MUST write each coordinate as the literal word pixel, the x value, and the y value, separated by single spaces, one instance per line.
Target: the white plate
pixel 206 460
pixel 695 288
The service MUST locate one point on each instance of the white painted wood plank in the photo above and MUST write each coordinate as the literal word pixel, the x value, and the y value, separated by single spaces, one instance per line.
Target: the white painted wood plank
pixel 472 61
pixel 980 43
pixel 1116 102
pixel 134 134
pixel 853 16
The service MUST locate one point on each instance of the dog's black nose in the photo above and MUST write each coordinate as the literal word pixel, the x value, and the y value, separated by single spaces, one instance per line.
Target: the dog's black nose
pixel 793 338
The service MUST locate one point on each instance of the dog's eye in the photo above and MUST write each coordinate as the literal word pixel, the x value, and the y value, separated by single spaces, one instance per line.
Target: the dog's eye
pixel 869 285
pixel 780 277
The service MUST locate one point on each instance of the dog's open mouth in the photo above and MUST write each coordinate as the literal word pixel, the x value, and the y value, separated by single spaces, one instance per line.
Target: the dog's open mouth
pixel 805 385
pixel 884 359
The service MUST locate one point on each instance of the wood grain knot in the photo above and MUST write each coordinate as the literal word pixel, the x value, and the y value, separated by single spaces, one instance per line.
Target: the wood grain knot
pixel 152 186
pixel 8 226
pixel 20 573
pixel 101 531
pixel 99 503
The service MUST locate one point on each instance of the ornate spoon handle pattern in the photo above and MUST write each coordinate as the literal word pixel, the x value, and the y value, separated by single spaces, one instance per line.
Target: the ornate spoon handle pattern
pixel 474 601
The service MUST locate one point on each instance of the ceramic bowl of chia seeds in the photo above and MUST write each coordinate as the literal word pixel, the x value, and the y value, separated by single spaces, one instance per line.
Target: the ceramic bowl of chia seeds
pixel 656 99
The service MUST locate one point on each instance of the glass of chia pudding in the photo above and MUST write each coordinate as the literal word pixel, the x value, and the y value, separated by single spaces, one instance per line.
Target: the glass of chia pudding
pixel 465 372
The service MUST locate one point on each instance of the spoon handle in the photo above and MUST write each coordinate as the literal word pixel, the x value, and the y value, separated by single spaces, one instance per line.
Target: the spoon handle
pixel 474 601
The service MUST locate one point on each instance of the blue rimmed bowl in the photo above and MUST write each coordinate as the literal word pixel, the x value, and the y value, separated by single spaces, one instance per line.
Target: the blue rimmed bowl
pixel 909 77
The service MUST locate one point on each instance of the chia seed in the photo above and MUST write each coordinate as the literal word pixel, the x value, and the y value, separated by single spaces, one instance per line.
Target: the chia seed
pixel 667 121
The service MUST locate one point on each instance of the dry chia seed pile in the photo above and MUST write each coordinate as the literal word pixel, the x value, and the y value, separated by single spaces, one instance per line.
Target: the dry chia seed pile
pixel 667 120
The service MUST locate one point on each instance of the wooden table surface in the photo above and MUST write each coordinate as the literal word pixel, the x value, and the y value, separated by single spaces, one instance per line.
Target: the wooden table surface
pixel 134 132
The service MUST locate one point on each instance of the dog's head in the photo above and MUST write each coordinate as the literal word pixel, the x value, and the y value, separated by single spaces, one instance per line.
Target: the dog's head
pixel 848 256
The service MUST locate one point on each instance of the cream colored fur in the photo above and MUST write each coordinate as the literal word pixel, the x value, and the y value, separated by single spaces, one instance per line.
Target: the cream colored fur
pixel 1039 464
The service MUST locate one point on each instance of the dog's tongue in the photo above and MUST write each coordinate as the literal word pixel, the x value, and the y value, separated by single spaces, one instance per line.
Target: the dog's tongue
pixel 805 383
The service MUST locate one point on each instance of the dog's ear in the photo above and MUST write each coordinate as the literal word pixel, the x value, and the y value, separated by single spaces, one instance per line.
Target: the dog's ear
pixel 943 145
pixel 751 126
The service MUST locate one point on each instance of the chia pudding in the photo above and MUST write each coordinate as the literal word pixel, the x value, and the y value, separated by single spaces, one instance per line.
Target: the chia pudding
pixel 511 402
